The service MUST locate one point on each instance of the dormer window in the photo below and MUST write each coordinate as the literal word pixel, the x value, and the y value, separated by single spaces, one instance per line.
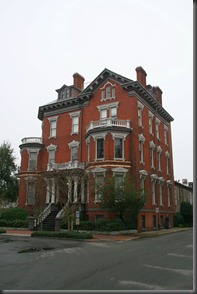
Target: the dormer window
pixel 108 92
pixel 67 93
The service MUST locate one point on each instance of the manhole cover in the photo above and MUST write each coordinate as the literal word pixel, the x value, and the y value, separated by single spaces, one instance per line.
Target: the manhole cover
pixel 35 249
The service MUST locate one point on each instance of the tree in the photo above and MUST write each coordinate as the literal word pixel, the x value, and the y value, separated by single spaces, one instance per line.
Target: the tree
pixel 8 174
pixel 186 210
pixel 123 198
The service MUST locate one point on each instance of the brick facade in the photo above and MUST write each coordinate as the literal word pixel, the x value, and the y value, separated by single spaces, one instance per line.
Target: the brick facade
pixel 116 116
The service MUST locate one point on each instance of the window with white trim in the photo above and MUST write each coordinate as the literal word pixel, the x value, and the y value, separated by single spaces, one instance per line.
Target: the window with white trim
pixel 32 165
pixel 108 91
pixel 152 148
pixel 75 122
pixel 100 148
pixel 160 185
pixel 99 183
pixel 103 113
pixel 169 196
pixel 53 126
pixel 143 174
pixel 140 109
pixel 150 122
pixel 159 151
pixel 118 148
pixel 157 128
pixel 74 153
pixel 31 190
pixel 165 135
pixel 113 112
pixel 167 156
pixel 141 148
pixel 51 157
pixel 153 192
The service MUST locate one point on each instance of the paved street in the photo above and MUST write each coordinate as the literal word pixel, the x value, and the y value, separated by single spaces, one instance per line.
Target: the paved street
pixel 158 263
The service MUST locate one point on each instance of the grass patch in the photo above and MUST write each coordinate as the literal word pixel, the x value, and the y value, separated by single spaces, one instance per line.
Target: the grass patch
pixel 68 234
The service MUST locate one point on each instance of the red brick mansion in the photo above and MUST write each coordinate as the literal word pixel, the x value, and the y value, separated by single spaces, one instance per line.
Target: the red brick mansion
pixel 114 127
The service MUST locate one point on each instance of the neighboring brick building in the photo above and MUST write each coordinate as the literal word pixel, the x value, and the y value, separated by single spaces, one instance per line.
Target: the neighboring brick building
pixel 115 126
pixel 182 193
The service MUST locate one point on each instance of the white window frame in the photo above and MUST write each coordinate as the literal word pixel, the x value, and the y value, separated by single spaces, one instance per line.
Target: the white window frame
pixel 98 172
pixel 150 121
pixel 74 126
pixel 30 168
pixel 96 155
pixel 153 183
pixel 140 110
pixel 96 137
pixel 73 144
pixel 119 136
pixel 167 156
pixel 141 139
pixel 152 148
pixel 157 129
pixel 108 91
pixel 169 184
pixel 51 159
pixel 160 184
pixel 53 126
pixel 166 135
pixel 159 151
pixel 30 199
pixel 143 175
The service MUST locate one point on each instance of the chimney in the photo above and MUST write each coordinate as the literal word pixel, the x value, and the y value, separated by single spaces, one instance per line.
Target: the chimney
pixel 158 94
pixel 78 81
pixel 141 76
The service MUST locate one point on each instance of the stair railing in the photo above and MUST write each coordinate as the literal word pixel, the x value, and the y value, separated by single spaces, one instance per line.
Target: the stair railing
pixel 43 215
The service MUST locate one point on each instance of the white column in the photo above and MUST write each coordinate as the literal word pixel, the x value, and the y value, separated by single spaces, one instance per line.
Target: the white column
pixel 52 191
pixel 48 191
pixel 75 189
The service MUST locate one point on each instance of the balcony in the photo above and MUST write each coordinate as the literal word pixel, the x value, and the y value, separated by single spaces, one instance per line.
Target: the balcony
pixel 65 165
pixel 109 122
pixel 30 140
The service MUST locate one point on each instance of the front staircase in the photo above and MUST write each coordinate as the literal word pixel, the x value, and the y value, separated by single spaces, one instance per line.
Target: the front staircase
pixel 48 223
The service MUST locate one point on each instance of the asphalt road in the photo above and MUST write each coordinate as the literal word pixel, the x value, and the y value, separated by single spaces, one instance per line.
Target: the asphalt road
pixel 157 263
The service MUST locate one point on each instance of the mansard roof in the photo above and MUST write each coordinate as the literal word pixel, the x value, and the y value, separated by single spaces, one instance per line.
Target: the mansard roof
pixel 132 87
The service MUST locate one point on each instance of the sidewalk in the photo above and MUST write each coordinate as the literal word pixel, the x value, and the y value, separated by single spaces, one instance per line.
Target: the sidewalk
pixel 111 236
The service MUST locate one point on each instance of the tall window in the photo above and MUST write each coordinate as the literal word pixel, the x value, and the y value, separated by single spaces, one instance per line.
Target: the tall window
pixel 140 108
pixel 31 188
pixel 32 160
pixel 118 179
pixel 113 112
pixel 157 129
pixel 100 148
pixel 165 135
pixel 160 194
pixel 118 150
pixel 141 150
pixel 153 191
pixel 75 122
pixel 51 157
pixel 74 153
pixel 108 91
pixel 159 150
pixel 99 183
pixel 150 121
pixel 152 148
pixel 53 125
pixel 169 192
pixel 167 156
pixel 103 114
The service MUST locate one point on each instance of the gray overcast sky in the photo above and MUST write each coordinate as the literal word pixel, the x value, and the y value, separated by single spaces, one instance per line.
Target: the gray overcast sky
pixel 43 42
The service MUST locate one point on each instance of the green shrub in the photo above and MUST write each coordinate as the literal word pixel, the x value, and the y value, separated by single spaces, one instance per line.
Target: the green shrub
pixel 17 223
pixel 14 213
pixel 178 220
pixel 2 231
pixel 68 234
pixel 186 210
